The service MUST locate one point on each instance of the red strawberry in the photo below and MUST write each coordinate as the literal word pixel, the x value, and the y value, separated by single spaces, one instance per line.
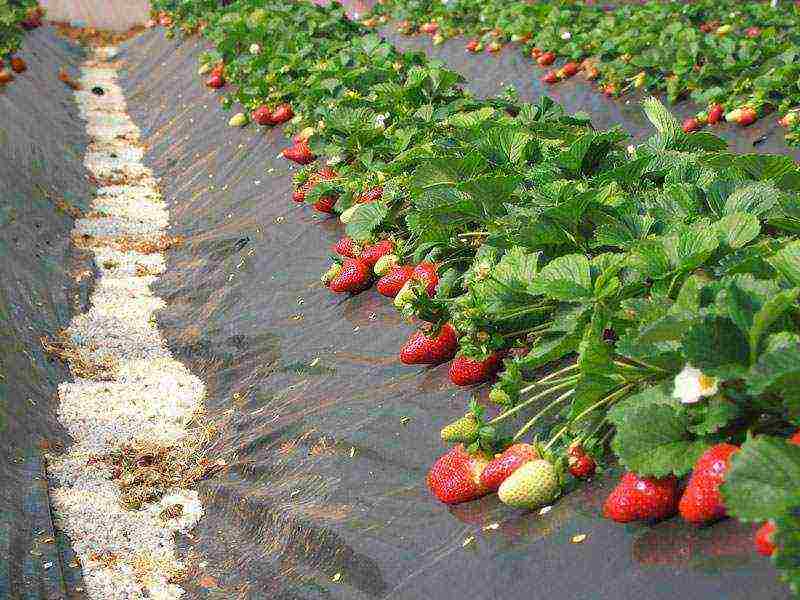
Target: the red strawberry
pixel 426 273
pixel 219 69
pixel 569 69
pixel 763 539
pixel 582 466
pixel 795 439
pixel 325 204
pixel 642 499
pixel 701 502
pixel 609 89
pixel 6 76
pixel 430 27
pixel 18 65
pixel 546 59
pixel 370 195
pixel 345 247
pixel 396 278
pixel 743 116
pixel 691 124
pixel 536 52
pixel 752 32
pixel 354 277
pixel 474 45
pixel 575 449
pixel 467 371
pixel 263 115
pixel 216 81
pixel 299 153
pixel 550 77
pixel 715 113
pixel 424 349
pixel 789 119
pixel 504 464
pixel 370 254
pixel 455 476
pixel 282 113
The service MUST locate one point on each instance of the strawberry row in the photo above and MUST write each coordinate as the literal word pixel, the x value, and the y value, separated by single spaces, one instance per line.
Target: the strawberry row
pixel 729 54
pixel 15 19
pixel 637 299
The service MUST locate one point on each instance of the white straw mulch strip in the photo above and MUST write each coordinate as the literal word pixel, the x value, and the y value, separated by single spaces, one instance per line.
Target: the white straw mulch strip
pixel 150 398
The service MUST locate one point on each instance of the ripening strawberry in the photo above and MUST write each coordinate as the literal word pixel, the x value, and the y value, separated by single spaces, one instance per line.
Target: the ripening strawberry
pixel 464 430
pixel 474 45
pixel 569 69
pixel 282 113
pixel 494 47
pixel 430 27
pixel 546 59
pixel 455 476
pixel 702 501
pixel 425 272
pixel 582 466
pixel 345 247
pixel 763 539
pixel 549 78
pixel 372 253
pixel 370 195
pixel 299 153
pixel 536 52
pixel 789 119
pixel 354 277
pixel 325 204
pixel 642 499
pixel 742 116
pixel 216 81
pixel 715 113
pixel 591 73
pixel 430 347
pixel 609 89
pixel 263 115
pixel 752 32
pixel 533 485
pixel 691 124
pixel 6 76
pixel 505 463
pixel 393 281
pixel 795 439
pixel 468 371
pixel 18 65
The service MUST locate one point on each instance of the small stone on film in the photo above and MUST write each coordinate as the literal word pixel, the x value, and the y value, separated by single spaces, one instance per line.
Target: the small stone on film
pixel 98 91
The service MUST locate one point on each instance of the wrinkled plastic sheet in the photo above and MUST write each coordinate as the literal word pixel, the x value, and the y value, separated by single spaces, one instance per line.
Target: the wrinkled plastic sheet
pixel 42 177
pixel 327 435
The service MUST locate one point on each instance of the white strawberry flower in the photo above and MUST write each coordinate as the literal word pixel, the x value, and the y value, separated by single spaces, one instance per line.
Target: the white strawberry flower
pixel 380 121
pixel 255 49
pixel 692 384
pixel 334 160
pixel 566 35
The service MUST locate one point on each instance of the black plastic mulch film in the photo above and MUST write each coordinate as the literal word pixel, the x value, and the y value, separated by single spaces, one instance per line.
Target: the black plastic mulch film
pixel 327 435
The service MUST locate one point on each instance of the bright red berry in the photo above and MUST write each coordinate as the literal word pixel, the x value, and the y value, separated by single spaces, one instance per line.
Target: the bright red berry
pixel 325 204
pixel 263 115
pixel 370 195
pixel 345 246
pixel 550 77
pixel 394 280
pixel 468 371
pixel 795 439
pixel 702 501
pixel 430 347
pixel 425 272
pixel 282 113
pixel 642 499
pixel 299 153
pixel 763 540
pixel 504 464
pixel 456 476
pixel 473 45
pixel 752 32
pixel 691 124
pixel 215 81
pixel 370 254
pixel 18 65
pixel 546 59
pixel 430 27
pixel 353 278
pixel 715 113
pixel 582 466
pixel 569 69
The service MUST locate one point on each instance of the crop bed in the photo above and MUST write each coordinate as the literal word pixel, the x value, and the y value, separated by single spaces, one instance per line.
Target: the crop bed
pixel 636 301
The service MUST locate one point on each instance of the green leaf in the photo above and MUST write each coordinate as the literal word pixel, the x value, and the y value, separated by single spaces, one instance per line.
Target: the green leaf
pixel 778 371
pixel 738 229
pixel 787 262
pixel 756 198
pixel 717 347
pixel 566 278
pixel 774 308
pixel 787 541
pixel 763 479
pixel 653 436
pixel 367 218
pixel 713 415
pixel 670 132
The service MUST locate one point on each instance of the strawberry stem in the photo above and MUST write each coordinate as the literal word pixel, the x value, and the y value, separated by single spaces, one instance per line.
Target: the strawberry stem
pixel 541 413
pixel 531 400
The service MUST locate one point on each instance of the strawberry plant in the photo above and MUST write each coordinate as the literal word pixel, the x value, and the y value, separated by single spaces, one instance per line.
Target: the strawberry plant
pixel 638 301
pixel 15 17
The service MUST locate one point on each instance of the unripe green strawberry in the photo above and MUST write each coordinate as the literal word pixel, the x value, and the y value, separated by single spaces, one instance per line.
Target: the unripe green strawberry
pixel 464 430
pixel 205 68
pixel 499 396
pixel 385 262
pixel 405 296
pixel 533 485
pixel 238 120
pixel 331 273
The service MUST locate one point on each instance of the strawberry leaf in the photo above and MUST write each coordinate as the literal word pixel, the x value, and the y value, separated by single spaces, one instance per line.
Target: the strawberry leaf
pixel 366 219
